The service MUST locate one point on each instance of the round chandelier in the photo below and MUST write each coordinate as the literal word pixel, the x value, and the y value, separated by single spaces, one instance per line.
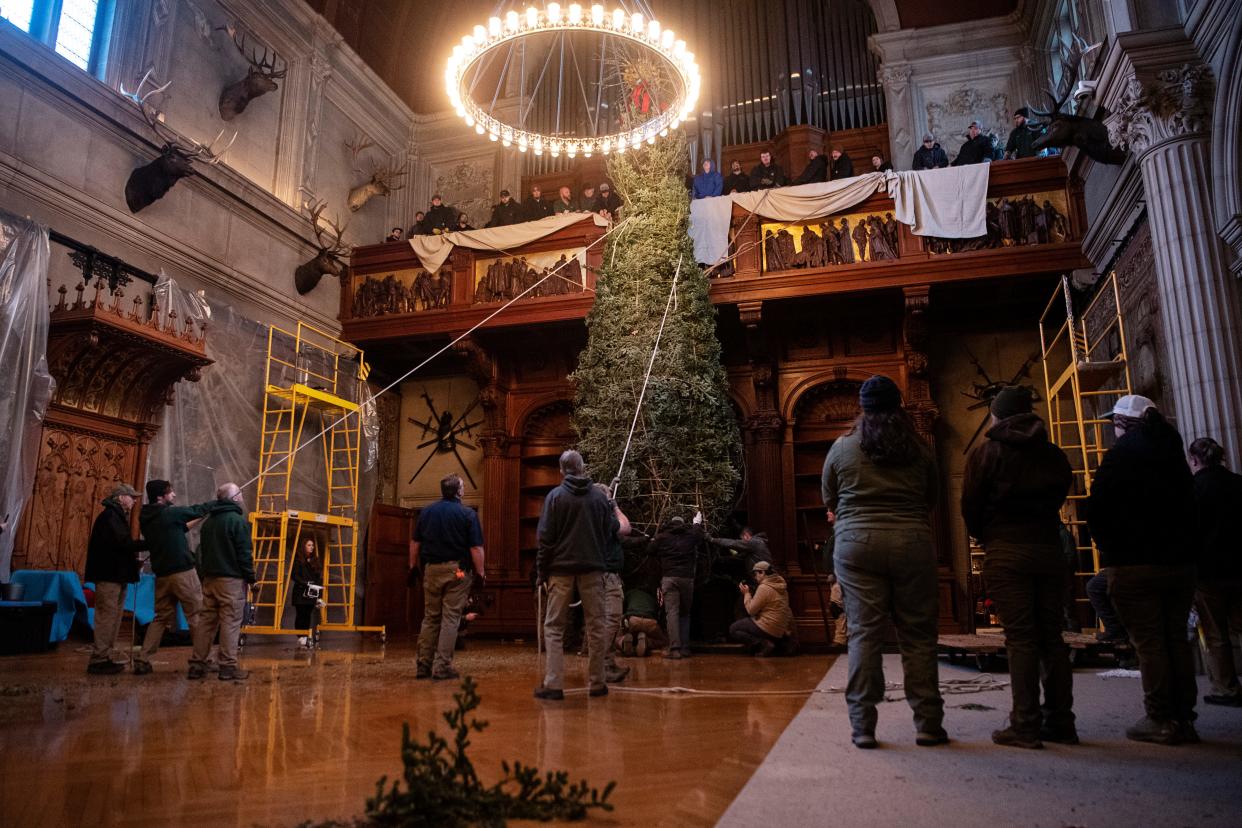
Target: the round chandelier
pixel 656 44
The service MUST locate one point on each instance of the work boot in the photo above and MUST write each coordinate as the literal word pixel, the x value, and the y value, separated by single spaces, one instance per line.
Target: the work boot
pixel 197 671
pixel 616 674
pixel 445 674
pixel 142 668
pixel 602 690
pixel 864 741
pixel 766 649
pixel 1015 738
pixel 671 654
pixel 627 645
pixel 1157 731
pixel 640 646
pixel 1059 735
pixel 233 674
pixel 1186 733
pixel 549 693
pixel 104 668
pixel 931 738
pixel 1224 701
pixel 423 671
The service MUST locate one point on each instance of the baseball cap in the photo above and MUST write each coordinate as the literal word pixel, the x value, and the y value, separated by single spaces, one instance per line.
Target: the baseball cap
pixel 1011 401
pixel 761 566
pixel 927 136
pixel 123 489
pixel 504 192
pixel 1131 405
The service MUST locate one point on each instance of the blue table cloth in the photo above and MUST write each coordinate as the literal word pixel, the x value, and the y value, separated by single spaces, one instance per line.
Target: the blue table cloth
pixel 61 588
pixel 142 595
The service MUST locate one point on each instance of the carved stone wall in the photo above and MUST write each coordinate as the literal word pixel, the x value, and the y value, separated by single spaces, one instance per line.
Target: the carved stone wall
pixel 1140 309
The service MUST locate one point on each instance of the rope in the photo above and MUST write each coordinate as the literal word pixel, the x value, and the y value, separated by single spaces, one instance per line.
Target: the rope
pixel 948 687
pixel 422 364
pixel 672 291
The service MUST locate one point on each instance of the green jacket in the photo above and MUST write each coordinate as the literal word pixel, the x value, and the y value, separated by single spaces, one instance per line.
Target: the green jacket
pixel 224 549
pixel 164 529
pixel 868 496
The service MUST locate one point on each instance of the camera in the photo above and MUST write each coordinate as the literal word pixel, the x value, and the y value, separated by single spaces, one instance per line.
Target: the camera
pixel 314 591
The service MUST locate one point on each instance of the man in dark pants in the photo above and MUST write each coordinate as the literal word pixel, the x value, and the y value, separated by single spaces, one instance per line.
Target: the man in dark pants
pixel 1097 594
pixel 576 526
pixel 448 544
pixel 226 563
pixel 676 547
pixel 112 565
pixel 1141 487
pixel 1014 485
pixel 164 524
pixel 976 150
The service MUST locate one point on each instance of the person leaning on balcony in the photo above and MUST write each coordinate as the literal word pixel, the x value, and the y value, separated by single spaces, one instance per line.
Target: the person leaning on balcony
pixel 930 156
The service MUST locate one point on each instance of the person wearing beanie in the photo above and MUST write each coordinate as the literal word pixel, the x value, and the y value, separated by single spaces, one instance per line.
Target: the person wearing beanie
pixel 1139 513
pixel 879 485
pixel 111 565
pixel 1023 135
pixel 1012 491
pixel 930 156
pixel 165 524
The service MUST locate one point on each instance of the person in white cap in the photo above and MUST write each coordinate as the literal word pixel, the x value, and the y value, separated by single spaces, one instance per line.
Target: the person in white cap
pixel 1142 501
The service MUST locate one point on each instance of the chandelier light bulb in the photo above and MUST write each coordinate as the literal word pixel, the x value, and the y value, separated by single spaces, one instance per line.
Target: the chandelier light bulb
pixel 653 31
pixel 505 142
pixel 469 120
pixel 636 23
pixel 511 22
pixel 479 129
pixel 532 18
pixel 618 19
pixel 554 13
pixel 480 34
pixel 493 26
pixel 597 15
pixel 575 14
pixel 666 40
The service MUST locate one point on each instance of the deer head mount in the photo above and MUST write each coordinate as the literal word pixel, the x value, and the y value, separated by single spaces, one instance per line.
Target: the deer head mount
pixel 260 80
pixel 1064 129
pixel 150 182
pixel 327 259
pixel 380 180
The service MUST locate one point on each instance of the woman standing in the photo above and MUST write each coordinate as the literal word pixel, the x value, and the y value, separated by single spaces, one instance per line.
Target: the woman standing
pixel 1142 504
pixel 879 484
pixel 307 571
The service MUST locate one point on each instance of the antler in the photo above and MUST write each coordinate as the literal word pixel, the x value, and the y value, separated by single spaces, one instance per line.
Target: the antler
pixel 384 175
pixel 358 145
pixel 170 139
pixel 260 65
pixel 333 246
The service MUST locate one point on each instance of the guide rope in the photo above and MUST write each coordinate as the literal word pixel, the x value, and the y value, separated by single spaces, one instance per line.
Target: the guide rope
pixel 948 687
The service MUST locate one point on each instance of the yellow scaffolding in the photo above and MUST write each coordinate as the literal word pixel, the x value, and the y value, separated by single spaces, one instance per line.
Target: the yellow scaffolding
pixel 1086 369
pixel 306 380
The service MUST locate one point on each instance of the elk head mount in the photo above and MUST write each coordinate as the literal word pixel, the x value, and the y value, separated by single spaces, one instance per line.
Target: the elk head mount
pixel 327 260
pixel 380 180
pixel 1063 129
pixel 260 80
pixel 150 182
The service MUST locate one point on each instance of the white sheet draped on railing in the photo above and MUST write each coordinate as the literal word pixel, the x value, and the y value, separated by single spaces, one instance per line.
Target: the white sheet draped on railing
pixel 432 251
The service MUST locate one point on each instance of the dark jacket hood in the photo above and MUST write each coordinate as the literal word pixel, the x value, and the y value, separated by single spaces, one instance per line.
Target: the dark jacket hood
pixel 1019 429
pixel 150 510
pixel 221 506
pixel 580 486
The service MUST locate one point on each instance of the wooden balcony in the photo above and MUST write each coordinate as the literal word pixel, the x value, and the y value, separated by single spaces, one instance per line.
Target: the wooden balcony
pixel 405 302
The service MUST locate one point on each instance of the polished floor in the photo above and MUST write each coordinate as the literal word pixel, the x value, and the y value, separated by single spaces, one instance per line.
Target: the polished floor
pixel 307 737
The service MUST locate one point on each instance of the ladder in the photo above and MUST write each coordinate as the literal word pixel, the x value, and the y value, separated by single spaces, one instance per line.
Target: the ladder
pixel 1086 370
pixel 311 416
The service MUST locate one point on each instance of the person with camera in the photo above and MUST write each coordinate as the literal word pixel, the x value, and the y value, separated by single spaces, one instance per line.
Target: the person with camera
pixel 448 546
pixel 226 563
pixel 307 588
pixel 769 619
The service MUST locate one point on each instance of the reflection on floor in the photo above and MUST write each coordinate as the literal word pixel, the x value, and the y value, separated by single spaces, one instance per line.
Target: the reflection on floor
pixel 308 737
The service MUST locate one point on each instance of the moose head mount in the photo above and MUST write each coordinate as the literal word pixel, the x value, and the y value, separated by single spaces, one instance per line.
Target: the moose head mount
pixel 327 259
pixel 380 180
pixel 150 182
pixel 260 80
pixel 1064 129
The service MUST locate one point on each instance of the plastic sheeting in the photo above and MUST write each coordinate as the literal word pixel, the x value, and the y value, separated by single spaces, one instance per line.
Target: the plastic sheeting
pixel 26 386
pixel 210 434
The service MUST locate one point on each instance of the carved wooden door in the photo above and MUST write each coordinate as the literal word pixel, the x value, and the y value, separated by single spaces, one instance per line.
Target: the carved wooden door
pixel 389 601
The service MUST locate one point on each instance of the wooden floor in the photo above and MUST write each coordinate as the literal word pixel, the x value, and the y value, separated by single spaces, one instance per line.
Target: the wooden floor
pixel 307 738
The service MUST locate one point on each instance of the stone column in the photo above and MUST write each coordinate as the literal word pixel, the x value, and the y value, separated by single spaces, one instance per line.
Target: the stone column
pixel 1165 123
pixel 895 78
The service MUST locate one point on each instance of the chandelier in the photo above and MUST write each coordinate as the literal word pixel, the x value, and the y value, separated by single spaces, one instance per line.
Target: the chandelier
pixel 648 43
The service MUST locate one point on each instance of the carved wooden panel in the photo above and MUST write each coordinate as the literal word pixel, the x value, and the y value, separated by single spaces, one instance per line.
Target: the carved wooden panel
pixel 1140 309
pixel 75 472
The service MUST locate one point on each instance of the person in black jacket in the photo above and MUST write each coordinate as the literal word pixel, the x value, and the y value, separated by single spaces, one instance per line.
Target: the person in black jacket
pixel 534 207
pixel 878 164
pixel 440 218
pixel 841 167
pixel 930 156
pixel 766 173
pixel 1218 594
pixel 736 181
pixel 505 212
pixel 608 202
pixel 111 564
pixel 577 525
pixel 977 149
pixel 816 169
pixel 1014 485
pixel 1141 504
pixel 307 580
pixel 676 547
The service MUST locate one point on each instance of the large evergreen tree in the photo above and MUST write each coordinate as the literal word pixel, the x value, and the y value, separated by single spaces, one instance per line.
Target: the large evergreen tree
pixel 686 441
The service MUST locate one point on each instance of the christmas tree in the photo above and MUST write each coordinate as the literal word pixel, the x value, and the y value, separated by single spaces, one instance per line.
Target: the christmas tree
pixel 686 443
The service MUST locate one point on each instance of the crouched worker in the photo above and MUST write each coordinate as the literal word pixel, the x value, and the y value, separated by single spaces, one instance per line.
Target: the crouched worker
pixel 769 621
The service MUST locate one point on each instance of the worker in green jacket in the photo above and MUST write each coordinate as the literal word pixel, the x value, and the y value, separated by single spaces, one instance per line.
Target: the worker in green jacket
pixel 226 562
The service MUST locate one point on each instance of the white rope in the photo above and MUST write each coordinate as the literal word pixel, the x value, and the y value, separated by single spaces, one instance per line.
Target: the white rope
pixel 422 364
pixel 672 291
pixel 948 687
